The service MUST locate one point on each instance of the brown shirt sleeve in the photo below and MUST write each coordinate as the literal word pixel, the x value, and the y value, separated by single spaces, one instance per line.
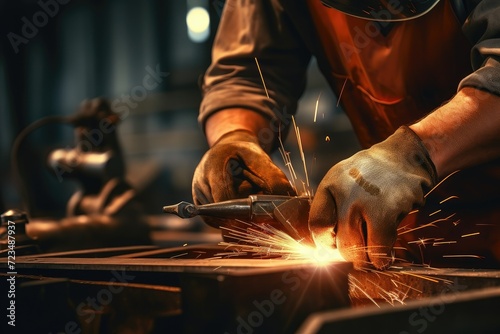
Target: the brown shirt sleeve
pixel 482 28
pixel 248 30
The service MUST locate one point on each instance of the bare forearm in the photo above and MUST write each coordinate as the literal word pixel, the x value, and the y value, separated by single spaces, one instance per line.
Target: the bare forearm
pixel 463 132
pixel 228 120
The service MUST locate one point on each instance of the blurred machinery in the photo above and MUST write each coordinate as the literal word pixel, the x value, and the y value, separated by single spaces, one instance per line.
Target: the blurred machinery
pixel 104 212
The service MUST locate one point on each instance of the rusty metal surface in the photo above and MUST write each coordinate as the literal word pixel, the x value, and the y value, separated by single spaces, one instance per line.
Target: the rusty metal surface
pixel 467 312
pixel 412 283
pixel 198 258
pixel 114 303
pixel 416 300
pixel 194 288
pixel 239 293
pixel 270 301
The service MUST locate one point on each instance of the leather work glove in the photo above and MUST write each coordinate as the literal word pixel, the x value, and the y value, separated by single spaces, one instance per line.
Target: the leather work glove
pixel 361 200
pixel 236 167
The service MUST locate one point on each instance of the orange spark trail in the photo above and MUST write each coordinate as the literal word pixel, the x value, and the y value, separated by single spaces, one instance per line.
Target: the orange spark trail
pixel 316 109
pixel 261 76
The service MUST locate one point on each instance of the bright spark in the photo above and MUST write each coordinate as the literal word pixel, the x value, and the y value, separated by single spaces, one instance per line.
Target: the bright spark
pixel 443 243
pixel 422 276
pixel 447 199
pixel 353 284
pixel 341 91
pixel 421 241
pixel 470 234
pixel 179 255
pixel 435 212
pixel 288 163
pixel 427 225
pixel 465 255
pixel 319 255
pixel 261 76
pixel 437 185
pixel 302 156
pixel 268 241
pixel 316 109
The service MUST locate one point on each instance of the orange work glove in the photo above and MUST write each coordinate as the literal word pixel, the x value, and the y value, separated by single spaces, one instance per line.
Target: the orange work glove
pixel 361 200
pixel 236 167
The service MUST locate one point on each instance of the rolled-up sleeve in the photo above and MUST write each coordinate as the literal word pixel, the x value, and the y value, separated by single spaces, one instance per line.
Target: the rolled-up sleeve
pixel 482 28
pixel 248 30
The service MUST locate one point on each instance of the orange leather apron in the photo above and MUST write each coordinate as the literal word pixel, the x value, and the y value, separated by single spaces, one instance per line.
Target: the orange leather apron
pixel 388 79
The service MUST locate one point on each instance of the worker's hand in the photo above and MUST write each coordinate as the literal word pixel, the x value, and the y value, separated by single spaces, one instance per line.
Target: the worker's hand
pixel 361 200
pixel 236 167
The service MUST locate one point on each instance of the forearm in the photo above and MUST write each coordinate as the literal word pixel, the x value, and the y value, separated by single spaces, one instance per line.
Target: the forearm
pixel 463 132
pixel 228 120
pixel 233 87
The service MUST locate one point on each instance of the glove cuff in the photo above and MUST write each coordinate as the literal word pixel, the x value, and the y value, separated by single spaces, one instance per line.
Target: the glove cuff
pixel 420 155
pixel 237 136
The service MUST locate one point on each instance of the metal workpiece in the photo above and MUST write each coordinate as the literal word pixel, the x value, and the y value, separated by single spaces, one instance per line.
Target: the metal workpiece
pixel 398 285
pixel 272 300
pixel 288 213
pixel 110 304
pixel 36 236
pixel 208 288
pixel 193 289
pixel 473 311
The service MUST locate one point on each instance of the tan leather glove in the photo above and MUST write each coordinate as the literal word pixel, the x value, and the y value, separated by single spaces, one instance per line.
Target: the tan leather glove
pixel 361 200
pixel 236 167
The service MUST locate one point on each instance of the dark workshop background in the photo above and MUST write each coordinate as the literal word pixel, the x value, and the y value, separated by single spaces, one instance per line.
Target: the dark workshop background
pixel 88 49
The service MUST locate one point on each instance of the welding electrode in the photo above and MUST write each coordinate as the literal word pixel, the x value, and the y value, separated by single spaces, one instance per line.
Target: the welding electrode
pixel 253 208
pixel 290 212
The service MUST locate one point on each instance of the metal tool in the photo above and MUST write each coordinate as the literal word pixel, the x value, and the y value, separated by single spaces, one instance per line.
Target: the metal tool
pixel 96 162
pixel 287 212
pixel 103 212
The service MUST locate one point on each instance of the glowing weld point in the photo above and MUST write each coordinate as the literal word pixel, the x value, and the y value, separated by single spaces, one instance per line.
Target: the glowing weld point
pixel 319 255
pixel 269 241
pixel 327 139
